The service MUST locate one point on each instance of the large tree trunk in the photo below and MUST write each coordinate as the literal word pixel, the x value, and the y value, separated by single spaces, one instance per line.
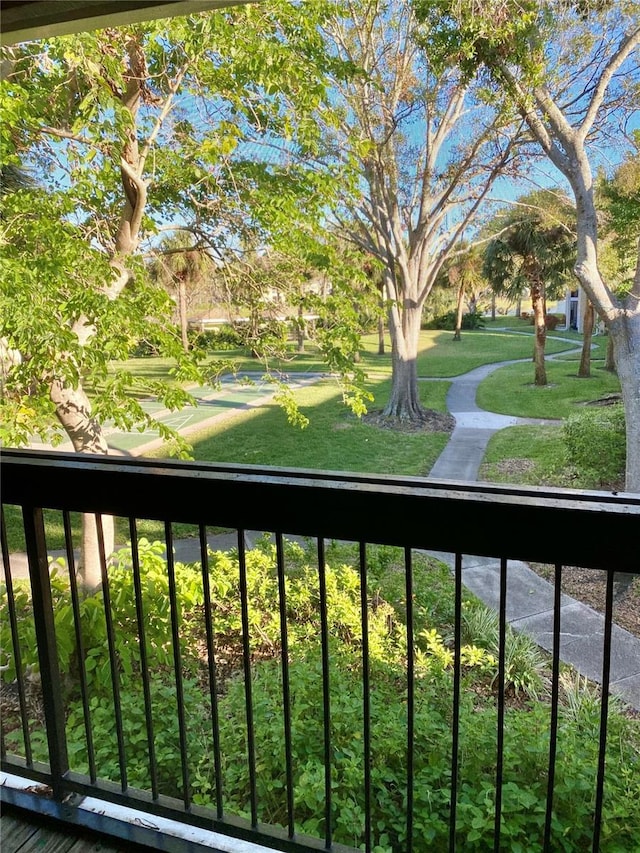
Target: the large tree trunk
pixel 537 300
pixel 626 345
pixel 584 371
pixel 73 410
pixel 381 322
pixel 404 400
pixel 380 336
pixel 622 319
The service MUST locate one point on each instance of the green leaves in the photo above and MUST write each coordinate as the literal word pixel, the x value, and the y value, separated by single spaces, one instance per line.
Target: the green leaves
pixel 471 35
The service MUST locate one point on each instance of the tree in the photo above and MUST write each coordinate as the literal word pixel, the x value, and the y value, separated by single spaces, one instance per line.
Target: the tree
pixel 127 128
pixel 571 70
pixel 535 251
pixel 425 148
pixel 464 271
pixel 180 266
pixel 618 202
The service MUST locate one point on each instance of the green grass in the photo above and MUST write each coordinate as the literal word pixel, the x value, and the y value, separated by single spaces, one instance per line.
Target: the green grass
pixel 526 455
pixel 335 440
pixel 510 390
pixel 152 530
pixel 438 356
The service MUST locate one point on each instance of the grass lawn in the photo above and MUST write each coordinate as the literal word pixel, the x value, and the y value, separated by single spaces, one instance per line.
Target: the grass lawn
pixel 439 356
pixel 527 455
pixel 510 390
pixel 335 440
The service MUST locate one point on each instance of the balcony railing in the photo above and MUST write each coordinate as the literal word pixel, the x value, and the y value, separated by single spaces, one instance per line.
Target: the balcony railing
pixel 309 734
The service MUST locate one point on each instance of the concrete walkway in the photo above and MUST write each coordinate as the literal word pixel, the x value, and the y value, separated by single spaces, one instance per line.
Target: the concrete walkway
pixel 529 597
pixel 463 455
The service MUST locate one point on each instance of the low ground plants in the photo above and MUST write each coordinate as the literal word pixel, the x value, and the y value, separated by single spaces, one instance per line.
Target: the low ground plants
pixel 596 444
pixel 526 720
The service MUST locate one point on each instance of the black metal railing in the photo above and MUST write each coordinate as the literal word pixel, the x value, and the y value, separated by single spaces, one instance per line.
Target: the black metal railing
pixel 117 669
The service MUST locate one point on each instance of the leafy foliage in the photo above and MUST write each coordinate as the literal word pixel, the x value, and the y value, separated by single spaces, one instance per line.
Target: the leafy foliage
pixel 202 121
pixel 526 725
pixel 470 320
pixel 595 440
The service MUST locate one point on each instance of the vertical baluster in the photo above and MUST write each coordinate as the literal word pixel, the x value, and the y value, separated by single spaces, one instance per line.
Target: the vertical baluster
pixel 326 691
pixel 144 663
pixel 286 695
pixel 15 642
pixel 366 698
pixel 177 667
pixel 553 725
pixel 408 568
pixel 455 722
pixel 604 711
pixel 77 622
pixel 246 659
pixel 113 656
pixel 501 679
pixel 47 648
pixel 211 658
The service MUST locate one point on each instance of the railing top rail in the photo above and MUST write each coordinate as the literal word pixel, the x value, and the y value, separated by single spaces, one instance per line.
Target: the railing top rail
pixel 595 529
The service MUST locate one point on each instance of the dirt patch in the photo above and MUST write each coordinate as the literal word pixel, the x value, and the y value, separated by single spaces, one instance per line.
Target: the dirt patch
pixel 429 422
pixel 607 400
pixel 514 467
pixel 589 587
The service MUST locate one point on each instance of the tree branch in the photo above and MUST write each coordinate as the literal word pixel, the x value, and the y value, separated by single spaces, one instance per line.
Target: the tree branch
pixel 626 46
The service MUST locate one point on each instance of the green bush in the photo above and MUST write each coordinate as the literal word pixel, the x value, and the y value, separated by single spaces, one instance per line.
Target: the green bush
pixel 596 444
pixel 447 322
pixel 219 339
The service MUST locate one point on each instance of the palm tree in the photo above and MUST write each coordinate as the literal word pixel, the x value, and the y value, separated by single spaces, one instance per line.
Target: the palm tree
pixel 535 252
pixel 180 267
pixel 465 273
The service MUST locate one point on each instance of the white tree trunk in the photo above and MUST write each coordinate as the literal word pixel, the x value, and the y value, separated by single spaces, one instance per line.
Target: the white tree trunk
pixel 622 319
pixel 73 409
pixel 625 333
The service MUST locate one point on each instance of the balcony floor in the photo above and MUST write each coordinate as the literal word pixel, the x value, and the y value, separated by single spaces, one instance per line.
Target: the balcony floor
pixel 22 832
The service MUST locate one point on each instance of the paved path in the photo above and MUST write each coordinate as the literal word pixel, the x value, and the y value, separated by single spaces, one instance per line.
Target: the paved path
pixel 463 455
pixel 529 597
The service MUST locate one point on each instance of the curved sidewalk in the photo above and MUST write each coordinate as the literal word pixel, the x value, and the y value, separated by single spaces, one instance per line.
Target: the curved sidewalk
pixel 529 597
pixel 463 455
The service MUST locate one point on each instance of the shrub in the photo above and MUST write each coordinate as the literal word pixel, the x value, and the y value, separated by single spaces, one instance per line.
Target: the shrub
pixel 551 321
pixel 221 339
pixel 447 322
pixel 524 662
pixel 596 443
